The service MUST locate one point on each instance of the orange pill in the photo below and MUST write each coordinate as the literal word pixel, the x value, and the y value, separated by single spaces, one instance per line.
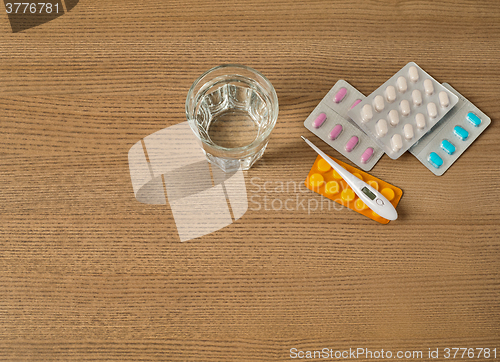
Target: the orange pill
pixel 323 166
pixel 373 184
pixel 332 187
pixel 316 180
pixel 336 175
pixel 388 193
pixel 348 195
pixel 360 205
pixel 358 176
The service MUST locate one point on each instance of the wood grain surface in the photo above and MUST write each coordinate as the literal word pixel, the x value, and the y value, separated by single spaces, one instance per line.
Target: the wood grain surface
pixel 87 273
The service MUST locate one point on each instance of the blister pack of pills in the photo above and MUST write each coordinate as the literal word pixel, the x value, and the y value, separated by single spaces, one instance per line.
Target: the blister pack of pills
pixel 324 180
pixel 403 109
pixel 442 146
pixel 329 121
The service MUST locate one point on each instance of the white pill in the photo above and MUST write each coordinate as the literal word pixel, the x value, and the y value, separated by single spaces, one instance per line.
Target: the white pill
pixel 413 73
pixel 378 103
pixel 417 97
pixel 444 101
pixel 390 94
pixel 408 131
pixel 381 128
pixel 428 87
pixel 394 117
pixel 405 107
pixel 432 110
pixel 401 84
pixel 396 142
pixel 420 120
pixel 366 113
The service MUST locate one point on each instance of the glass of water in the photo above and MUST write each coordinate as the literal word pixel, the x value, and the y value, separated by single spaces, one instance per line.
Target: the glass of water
pixel 232 110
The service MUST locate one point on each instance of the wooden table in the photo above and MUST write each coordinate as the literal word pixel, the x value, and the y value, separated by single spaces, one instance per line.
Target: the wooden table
pixel 88 273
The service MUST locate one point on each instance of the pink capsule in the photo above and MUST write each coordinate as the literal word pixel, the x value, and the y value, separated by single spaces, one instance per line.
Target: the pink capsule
pixel 336 131
pixel 319 120
pixel 356 102
pixel 340 95
pixel 365 157
pixel 351 144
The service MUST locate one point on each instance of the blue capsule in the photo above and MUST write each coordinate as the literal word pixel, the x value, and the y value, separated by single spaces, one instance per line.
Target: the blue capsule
pixel 474 119
pixel 461 133
pixel 448 147
pixel 435 160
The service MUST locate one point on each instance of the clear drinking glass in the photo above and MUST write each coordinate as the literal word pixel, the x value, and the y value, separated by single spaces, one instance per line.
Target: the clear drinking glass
pixel 232 110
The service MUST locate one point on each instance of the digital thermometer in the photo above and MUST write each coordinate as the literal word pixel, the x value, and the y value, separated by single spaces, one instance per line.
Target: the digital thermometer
pixel 371 197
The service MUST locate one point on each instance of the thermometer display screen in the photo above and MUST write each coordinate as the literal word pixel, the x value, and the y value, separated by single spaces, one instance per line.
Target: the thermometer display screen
pixel 368 193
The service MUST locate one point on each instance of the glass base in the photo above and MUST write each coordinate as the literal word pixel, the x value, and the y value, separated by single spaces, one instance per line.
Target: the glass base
pixel 229 165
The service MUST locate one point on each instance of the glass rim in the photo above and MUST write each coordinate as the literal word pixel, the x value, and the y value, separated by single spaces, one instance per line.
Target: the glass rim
pixel 272 94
